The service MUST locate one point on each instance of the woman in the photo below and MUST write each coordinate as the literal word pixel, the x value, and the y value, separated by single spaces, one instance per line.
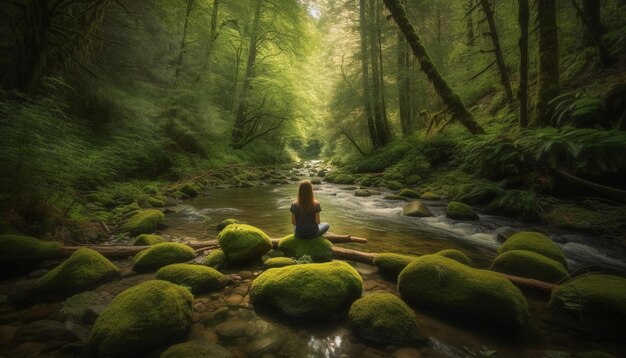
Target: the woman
pixel 305 213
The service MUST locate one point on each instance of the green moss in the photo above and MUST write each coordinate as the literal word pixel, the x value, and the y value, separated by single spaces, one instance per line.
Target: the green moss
pixel 535 242
pixel 409 193
pixel 416 209
pixel 529 264
pixel 392 264
pixel 343 179
pixel 225 223
pixel 155 203
pixel 384 318
pixel 456 255
pixel 394 185
pixel 147 240
pixel 460 211
pixel 216 259
pixel 599 301
pixel 190 189
pixel 162 254
pixel 308 290
pixel 198 278
pixel 395 197
pixel 143 222
pixel 319 248
pixel 142 318
pixel 83 270
pixel 242 243
pixel 196 350
pixel 367 181
pixel 429 195
pixel 15 247
pixel 459 291
pixel 413 179
pixel 279 262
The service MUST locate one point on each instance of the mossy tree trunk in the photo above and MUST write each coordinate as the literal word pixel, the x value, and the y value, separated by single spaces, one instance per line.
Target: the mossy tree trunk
pixel 449 97
pixel 404 80
pixel 590 15
pixel 470 23
pixel 208 47
pixel 497 50
pixel 378 100
pixel 367 102
pixel 522 93
pixel 548 78
pixel 183 42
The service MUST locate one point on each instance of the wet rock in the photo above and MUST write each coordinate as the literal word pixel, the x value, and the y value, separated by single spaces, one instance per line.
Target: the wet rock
pixel 78 330
pixel 395 197
pixel 460 211
pixel 44 330
pixel 242 243
pixel 28 349
pixel 407 353
pixel 362 193
pixel 198 278
pixel 199 307
pixel 92 313
pixel 318 248
pixel 416 209
pixel 264 345
pixel 349 187
pixel 409 193
pixel 7 333
pixel 225 223
pixel 241 290
pixel 162 254
pixel 40 311
pixel 503 233
pixel 233 300
pixel 197 332
pixel 233 329
pixel 429 195
pixel 316 181
pixel 246 274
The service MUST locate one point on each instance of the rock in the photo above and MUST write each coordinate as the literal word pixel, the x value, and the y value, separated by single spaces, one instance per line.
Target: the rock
pixel 85 269
pixel 197 332
pixel 384 318
pixel 28 349
pixel 407 353
pixel 343 179
pixel 395 197
pixel 429 195
pixel 162 254
pixel 190 189
pixel 409 193
pixel 535 242
pixel 279 262
pixel 86 306
pixel 362 193
pixel 529 264
pixel 413 179
pixel 44 330
pixel 503 233
pixel 318 248
pixel 456 255
pixel 459 211
pixel 147 240
pixel 416 209
pixel 225 223
pixel 215 259
pixel 154 202
pixel 40 311
pixel 15 248
pixel 198 278
pixel 92 313
pixel 196 350
pixel 232 329
pixel 459 291
pixel 394 185
pixel 242 243
pixel 37 273
pixel 391 264
pixel 264 345
pixel 597 300
pixel 349 187
pixel 321 173
pixel 316 181
pixel 234 300
pixel 309 290
pixel 7 333
pixel 245 274
pixel 143 222
pixel 141 319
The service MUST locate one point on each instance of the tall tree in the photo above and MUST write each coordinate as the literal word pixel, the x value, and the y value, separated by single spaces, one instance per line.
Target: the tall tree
pixel 449 97
pixel 380 114
pixel 548 84
pixel 590 15
pixel 522 93
pixel 183 41
pixel 367 109
pixel 404 80
pixel 470 23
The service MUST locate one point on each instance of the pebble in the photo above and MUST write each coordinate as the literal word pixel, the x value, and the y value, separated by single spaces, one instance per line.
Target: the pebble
pixel 232 329
pixel 199 307
pixel 241 290
pixel 234 300
pixel 197 332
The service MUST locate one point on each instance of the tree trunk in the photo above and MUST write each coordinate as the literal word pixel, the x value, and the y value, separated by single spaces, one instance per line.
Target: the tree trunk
pixel 404 87
pixel 450 99
pixel 380 117
pixel 206 60
pixel 367 101
pixel 522 94
pixel 548 86
pixel 470 24
pixel 590 16
pixel 493 32
pixel 183 42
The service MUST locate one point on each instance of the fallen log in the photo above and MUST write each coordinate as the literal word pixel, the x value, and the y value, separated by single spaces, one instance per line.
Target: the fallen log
pixel 530 283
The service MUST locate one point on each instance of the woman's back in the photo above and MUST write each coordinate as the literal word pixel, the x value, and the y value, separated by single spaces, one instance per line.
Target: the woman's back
pixel 306 225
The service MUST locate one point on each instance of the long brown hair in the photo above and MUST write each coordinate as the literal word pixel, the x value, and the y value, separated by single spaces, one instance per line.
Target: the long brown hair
pixel 306 198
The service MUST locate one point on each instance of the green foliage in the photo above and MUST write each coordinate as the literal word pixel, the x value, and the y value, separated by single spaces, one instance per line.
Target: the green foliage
pixel 16 247
pixel 520 203
pixel 576 107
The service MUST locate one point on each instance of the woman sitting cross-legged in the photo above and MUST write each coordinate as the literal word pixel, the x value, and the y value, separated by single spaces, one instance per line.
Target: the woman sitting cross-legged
pixel 305 213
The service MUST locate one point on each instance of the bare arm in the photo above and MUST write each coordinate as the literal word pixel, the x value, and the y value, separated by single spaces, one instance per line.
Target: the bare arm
pixel 293 219
pixel 317 218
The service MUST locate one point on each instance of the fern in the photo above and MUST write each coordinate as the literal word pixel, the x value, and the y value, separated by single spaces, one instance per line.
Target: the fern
pixel 577 106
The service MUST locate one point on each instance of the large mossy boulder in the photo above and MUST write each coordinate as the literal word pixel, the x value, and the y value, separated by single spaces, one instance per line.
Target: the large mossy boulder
pixel 143 222
pixel 84 270
pixel 409 193
pixel 456 290
pixel 142 318
pixel 197 278
pixel 18 247
pixel 343 179
pixel 459 211
pixel 190 189
pixel 318 248
pixel 529 264
pixel 391 264
pixel 274 262
pixel 456 255
pixel 242 243
pixel 196 350
pixel 535 242
pixel 430 196
pixel 216 259
pixel 148 240
pixel 394 185
pixel 384 318
pixel 162 254
pixel 310 290
pixel 416 209
pixel 598 300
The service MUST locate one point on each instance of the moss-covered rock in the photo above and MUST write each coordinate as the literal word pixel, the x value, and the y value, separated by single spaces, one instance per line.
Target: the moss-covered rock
pixel 413 179
pixel 409 193
pixel 362 193
pixel 308 290
pixel 394 185
pixel 162 254
pixel 395 197
pixel 198 278
pixel 319 248
pixel 190 189
pixel 535 242
pixel 142 318
pixel 454 289
pixel 242 242
pixel 225 223
pixel 599 301
pixel 147 240
pixel 392 264
pixel 429 195
pixel 460 211
pixel 456 255
pixel 17 247
pixel 143 222
pixel 344 179
pixel 83 270
pixel 529 264
pixel 384 318
pixel 196 350
pixel 216 259
pixel 416 209
pixel 279 262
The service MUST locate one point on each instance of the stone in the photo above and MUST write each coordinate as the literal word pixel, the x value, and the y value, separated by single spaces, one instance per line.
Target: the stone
pixel 241 243
pixel 460 211
pixel 264 345
pixel 232 329
pixel 7 333
pixel 416 209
